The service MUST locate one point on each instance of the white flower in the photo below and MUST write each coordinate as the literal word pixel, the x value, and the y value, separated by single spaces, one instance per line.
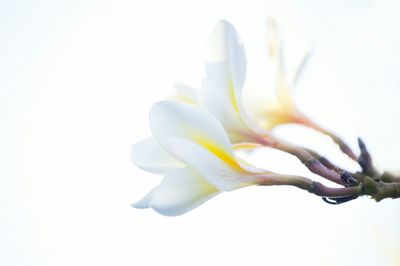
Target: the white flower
pixel 191 149
pixel 283 109
pixel 221 90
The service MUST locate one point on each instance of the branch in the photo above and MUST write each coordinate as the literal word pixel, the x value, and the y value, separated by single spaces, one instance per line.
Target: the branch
pixel 379 190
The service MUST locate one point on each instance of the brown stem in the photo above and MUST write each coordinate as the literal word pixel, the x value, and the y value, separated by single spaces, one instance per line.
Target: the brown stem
pixel 325 161
pixel 342 145
pixel 312 163
pixel 381 190
pixel 310 185
pixel 376 189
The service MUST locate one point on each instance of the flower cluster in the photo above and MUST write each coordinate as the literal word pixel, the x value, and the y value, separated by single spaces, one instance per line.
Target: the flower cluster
pixel 195 135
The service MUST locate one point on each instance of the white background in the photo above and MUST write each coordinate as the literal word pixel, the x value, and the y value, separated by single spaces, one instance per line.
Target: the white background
pixel 77 79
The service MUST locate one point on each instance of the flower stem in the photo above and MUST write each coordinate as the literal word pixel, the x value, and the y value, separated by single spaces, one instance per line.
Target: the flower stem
pixel 312 163
pixel 378 190
pixel 342 145
pixel 310 185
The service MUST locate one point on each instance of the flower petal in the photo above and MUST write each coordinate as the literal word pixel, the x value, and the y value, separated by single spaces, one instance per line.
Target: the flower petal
pixel 275 44
pixel 197 139
pixel 178 120
pixel 179 192
pixel 220 92
pixel 144 203
pixel 149 155
pixel 225 59
pixel 225 174
pixel 301 68
pixel 185 93
pixel 215 100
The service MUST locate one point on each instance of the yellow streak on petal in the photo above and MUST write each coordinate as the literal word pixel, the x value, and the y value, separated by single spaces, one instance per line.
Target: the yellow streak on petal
pixel 283 91
pixel 204 185
pixel 218 151
pixel 244 145
pixel 282 112
pixel 184 99
pixel 232 95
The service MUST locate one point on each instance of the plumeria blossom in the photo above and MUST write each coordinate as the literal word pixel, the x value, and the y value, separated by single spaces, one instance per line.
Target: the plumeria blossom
pixel 283 109
pixel 192 151
pixel 220 92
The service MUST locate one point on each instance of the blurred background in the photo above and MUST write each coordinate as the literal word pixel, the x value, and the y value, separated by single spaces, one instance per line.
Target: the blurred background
pixel 77 79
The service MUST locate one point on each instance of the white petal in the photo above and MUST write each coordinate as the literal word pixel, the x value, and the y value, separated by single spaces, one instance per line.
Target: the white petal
pixel 226 59
pixel 232 116
pixel 300 68
pixel 149 155
pixel 198 140
pixel 223 172
pixel 185 94
pixel 179 120
pixel 181 191
pixel 277 58
pixel 220 93
pixel 275 42
pixel 144 203
pixel 215 100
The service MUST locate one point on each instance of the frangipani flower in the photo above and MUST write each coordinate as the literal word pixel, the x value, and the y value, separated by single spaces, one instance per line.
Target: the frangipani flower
pixel 220 92
pixel 191 149
pixel 283 110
